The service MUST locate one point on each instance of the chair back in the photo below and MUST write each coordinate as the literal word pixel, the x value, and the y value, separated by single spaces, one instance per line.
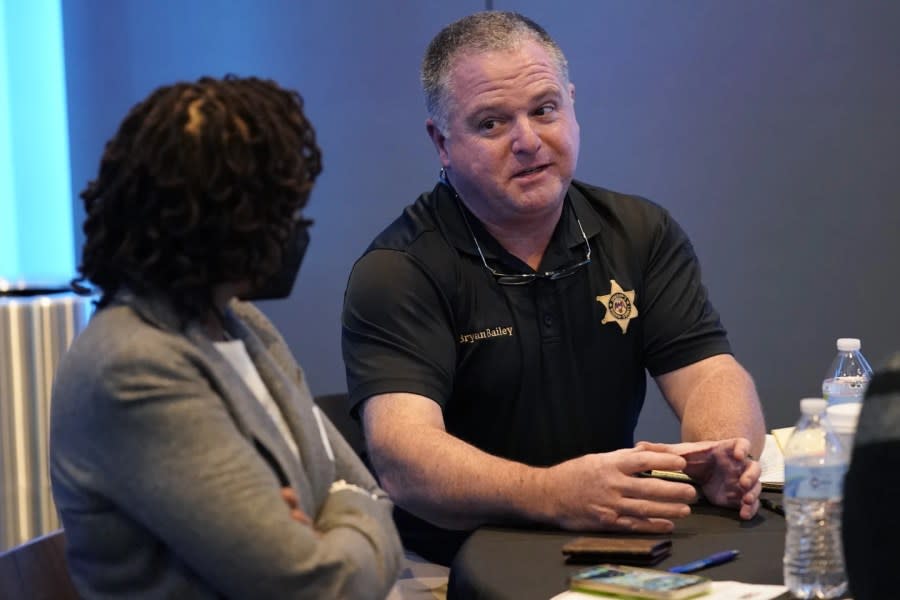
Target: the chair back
pixel 37 570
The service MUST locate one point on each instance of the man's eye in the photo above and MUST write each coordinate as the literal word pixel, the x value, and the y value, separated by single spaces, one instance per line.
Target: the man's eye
pixel 545 110
pixel 488 124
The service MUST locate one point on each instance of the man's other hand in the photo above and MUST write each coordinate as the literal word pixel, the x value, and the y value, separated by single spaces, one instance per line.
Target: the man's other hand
pixel 724 469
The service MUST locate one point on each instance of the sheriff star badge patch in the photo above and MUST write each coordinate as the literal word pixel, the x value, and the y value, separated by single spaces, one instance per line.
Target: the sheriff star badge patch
pixel 619 305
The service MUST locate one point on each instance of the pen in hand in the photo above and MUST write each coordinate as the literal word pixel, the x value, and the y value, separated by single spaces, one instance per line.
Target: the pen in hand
pixel 773 506
pixel 708 561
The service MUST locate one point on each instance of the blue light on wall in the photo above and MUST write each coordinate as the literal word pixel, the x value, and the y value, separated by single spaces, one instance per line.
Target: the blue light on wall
pixel 36 238
pixel 9 246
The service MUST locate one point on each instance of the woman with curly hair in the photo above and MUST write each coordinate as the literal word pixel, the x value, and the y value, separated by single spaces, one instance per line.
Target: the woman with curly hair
pixel 187 457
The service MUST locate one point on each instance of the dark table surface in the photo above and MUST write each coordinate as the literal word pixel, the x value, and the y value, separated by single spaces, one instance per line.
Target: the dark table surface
pixel 501 563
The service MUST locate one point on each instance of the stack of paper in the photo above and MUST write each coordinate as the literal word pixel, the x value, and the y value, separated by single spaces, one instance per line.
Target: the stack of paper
pixel 781 436
pixel 772 463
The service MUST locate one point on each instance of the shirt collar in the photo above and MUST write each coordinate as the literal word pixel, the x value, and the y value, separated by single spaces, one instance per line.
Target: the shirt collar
pixel 565 235
pixel 587 214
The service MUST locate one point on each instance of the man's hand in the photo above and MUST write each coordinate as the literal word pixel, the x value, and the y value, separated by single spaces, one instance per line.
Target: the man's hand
pixel 601 492
pixel 724 469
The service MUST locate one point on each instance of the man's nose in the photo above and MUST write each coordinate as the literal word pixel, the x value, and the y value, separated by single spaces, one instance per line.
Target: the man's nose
pixel 525 137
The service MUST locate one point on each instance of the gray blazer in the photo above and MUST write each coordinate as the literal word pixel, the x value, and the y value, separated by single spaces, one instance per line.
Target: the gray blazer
pixel 167 471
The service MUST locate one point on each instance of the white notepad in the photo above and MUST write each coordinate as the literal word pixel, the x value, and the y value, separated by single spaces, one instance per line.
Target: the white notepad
pixel 771 462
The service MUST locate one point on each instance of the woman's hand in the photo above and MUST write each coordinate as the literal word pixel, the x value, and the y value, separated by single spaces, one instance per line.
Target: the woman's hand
pixel 293 503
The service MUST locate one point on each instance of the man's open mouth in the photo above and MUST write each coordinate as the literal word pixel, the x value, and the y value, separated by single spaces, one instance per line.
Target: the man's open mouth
pixel 526 172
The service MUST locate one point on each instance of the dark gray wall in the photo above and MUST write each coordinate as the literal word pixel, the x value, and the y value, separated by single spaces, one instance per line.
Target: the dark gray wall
pixel 770 129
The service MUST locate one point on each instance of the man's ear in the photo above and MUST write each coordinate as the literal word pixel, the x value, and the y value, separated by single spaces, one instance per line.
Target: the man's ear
pixel 572 92
pixel 439 140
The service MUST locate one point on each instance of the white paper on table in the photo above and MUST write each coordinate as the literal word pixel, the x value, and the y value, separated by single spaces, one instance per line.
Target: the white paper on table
pixel 771 462
pixel 721 590
pixel 782 435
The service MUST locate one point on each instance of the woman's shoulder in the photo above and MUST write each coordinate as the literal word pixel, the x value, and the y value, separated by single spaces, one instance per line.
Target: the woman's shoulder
pixel 121 331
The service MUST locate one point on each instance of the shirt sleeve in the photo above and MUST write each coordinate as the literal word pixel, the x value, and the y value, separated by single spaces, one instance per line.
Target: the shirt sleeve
pixel 397 330
pixel 681 325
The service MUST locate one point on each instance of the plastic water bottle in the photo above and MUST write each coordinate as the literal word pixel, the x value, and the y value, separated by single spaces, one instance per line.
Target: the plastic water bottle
pixel 848 375
pixel 814 468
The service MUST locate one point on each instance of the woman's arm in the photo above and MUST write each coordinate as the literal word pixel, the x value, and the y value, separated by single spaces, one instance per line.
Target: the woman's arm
pixel 159 443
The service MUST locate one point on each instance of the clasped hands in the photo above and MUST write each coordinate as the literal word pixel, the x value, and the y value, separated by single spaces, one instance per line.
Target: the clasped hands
pixel 724 470
pixel 604 491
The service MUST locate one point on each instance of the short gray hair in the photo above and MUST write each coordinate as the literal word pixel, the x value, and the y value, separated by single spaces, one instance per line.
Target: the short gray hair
pixel 480 32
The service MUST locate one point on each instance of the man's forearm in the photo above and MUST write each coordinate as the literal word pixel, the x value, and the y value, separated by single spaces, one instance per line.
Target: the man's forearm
pixel 724 404
pixel 453 484
pixel 446 481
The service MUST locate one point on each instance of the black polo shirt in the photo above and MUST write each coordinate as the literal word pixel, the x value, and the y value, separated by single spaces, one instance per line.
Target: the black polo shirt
pixel 530 372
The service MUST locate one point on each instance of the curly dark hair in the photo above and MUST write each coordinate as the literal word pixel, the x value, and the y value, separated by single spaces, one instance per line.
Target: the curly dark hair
pixel 200 185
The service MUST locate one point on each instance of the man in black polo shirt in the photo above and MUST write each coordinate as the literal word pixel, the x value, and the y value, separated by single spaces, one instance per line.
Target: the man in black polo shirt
pixel 496 336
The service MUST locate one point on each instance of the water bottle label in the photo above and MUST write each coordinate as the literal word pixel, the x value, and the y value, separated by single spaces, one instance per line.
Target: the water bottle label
pixel 843 398
pixel 841 390
pixel 819 482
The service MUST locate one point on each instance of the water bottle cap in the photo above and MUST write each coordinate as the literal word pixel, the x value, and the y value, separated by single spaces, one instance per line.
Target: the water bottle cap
pixel 848 344
pixel 813 406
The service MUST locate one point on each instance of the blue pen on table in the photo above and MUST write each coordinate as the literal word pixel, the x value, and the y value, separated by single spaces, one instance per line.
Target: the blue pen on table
pixel 708 561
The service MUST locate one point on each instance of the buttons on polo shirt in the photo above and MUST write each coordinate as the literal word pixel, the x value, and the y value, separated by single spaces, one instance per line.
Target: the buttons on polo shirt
pixel 548 319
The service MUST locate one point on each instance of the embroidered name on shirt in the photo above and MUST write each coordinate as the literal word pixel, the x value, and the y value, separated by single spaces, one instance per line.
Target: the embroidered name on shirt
pixel 468 338
pixel 619 305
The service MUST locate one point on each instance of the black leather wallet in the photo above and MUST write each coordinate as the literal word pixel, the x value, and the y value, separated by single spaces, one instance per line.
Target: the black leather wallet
pixel 619 550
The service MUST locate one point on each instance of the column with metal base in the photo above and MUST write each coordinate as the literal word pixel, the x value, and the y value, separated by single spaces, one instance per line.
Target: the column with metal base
pixel 35 331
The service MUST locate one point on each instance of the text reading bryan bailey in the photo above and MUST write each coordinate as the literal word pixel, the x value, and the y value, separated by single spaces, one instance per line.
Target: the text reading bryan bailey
pixel 468 338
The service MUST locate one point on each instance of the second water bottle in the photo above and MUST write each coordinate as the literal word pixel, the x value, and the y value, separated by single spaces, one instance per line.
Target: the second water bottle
pixel 849 374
